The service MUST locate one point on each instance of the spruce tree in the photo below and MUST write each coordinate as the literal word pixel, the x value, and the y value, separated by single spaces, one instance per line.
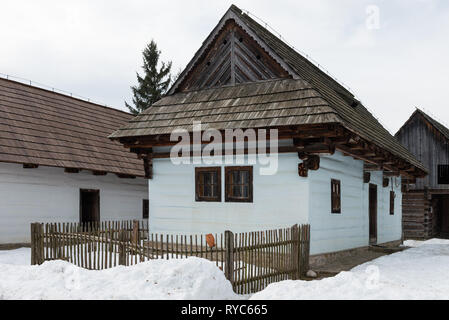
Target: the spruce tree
pixel 154 82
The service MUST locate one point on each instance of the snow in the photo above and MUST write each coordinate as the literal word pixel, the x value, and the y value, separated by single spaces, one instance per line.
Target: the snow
pixel 417 273
pixel 20 256
pixel 191 278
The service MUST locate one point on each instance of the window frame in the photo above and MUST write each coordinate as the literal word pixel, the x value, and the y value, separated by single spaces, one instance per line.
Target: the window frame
pixel 200 198
pixel 392 197
pixel 333 209
pixel 228 173
pixel 440 179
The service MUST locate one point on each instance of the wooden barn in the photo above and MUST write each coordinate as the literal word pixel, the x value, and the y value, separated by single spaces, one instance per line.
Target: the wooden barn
pixel 426 203
pixel 338 169
pixel 57 164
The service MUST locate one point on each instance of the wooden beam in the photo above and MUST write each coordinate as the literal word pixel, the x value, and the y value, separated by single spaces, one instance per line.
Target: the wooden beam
pixel 30 166
pixel 99 173
pixel 302 170
pixel 148 165
pixel 313 162
pixel 317 148
pixel 125 176
pixel 309 139
pixel 392 173
pixel 366 177
pixel 372 167
pixel 284 149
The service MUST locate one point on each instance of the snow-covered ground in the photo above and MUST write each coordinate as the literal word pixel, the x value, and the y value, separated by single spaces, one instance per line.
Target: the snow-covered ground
pixel 191 278
pixel 417 273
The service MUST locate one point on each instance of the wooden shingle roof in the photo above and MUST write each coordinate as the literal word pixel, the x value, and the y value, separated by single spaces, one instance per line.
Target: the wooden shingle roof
pixel 252 105
pixel 310 96
pixel 41 127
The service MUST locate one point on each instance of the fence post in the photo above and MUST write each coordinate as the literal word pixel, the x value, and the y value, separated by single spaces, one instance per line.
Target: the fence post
pixel 296 251
pixel 122 247
pixel 307 249
pixel 229 256
pixel 304 249
pixel 37 243
pixel 135 236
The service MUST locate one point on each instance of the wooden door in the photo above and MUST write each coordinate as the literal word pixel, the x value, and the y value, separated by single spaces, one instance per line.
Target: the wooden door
pixel 444 215
pixel 372 214
pixel 89 205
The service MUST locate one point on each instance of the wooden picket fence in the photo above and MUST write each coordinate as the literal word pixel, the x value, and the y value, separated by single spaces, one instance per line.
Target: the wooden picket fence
pixel 250 260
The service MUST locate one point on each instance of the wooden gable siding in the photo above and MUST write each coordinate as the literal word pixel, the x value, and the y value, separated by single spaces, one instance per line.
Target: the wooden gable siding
pixel 232 58
pixel 428 145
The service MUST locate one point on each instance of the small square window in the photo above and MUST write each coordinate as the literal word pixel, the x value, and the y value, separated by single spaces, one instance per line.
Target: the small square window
pixel 336 196
pixel 239 184
pixel 392 196
pixel 145 208
pixel 443 174
pixel 208 184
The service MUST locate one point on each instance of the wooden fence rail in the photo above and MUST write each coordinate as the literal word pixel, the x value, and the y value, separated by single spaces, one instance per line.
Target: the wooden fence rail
pixel 250 260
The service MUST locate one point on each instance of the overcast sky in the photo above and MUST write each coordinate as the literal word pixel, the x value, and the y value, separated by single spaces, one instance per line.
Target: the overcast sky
pixel 93 48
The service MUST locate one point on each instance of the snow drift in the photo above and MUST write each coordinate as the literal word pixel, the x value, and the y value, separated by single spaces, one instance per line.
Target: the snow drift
pixel 191 278
pixel 416 273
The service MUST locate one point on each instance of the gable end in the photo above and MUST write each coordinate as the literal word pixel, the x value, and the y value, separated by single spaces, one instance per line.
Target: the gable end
pixel 232 58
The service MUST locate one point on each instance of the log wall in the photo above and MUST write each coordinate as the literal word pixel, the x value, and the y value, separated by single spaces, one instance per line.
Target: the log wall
pixel 417 222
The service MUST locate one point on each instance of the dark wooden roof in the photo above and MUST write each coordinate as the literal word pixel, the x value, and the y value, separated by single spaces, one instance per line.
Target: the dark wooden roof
pixel 310 96
pixel 45 128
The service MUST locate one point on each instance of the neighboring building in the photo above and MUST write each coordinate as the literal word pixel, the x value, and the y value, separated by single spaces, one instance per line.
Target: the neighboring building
pixel 426 204
pixel 57 164
pixel 338 168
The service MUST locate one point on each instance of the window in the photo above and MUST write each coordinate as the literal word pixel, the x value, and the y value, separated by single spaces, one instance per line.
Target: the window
pixel 239 184
pixel 145 208
pixel 336 196
pixel 208 184
pixel 443 174
pixel 392 196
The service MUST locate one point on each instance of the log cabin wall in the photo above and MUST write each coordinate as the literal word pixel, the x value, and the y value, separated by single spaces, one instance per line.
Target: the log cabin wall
pixel 417 215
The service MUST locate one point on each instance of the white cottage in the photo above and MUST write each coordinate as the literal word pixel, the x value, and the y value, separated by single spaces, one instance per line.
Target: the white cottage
pixel 337 168
pixel 57 164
